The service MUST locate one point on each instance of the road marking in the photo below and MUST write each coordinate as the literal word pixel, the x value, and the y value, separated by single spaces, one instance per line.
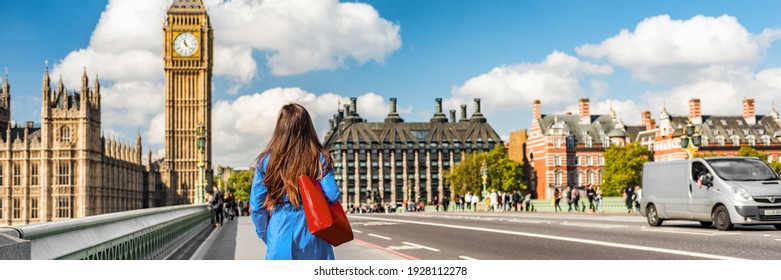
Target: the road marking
pixel 680 231
pixel 405 247
pixel 777 239
pixel 379 236
pixel 568 239
pixel 389 250
pixel 421 246
pixel 467 258
pixel 357 231
pixel 368 224
pixel 591 225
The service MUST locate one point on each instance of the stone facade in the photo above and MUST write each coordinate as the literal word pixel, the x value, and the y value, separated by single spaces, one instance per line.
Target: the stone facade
pixel 65 168
pixel 395 161
pixel 188 99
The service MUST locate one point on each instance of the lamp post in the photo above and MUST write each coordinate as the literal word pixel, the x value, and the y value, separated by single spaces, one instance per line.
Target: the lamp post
pixel 484 172
pixel 691 139
pixel 200 141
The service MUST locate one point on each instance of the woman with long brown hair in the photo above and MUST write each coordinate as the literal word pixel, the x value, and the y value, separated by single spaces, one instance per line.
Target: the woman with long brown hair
pixel 277 212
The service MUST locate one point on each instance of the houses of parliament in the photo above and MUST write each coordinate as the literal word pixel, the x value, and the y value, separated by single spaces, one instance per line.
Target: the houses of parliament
pixel 66 168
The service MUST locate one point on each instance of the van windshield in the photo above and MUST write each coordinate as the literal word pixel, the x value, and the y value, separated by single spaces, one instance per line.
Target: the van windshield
pixel 742 169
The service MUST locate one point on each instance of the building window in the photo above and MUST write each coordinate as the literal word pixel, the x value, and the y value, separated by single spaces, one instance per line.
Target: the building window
pixel 34 208
pixel 579 179
pixel 751 140
pixel 65 134
pixel 63 174
pixel 2 182
pixel 63 207
pixel 17 208
pixel 590 177
pixel 600 161
pixel 705 141
pixel 1 209
pixel 720 140
pixel 766 140
pixel 570 142
pixel 17 174
pixel 556 160
pixel 582 160
pixel 592 160
pixel 557 178
pixel 606 142
pixel 34 174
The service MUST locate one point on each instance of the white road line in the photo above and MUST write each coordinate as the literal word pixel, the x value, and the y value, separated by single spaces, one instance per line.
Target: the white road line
pixel 379 236
pixel 421 246
pixel 568 239
pixel 467 258
pixel 357 231
pixel 777 239
pixel 679 231
pixel 591 225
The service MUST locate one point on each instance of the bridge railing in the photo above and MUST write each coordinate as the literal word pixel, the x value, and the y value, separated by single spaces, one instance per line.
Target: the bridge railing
pixel 151 233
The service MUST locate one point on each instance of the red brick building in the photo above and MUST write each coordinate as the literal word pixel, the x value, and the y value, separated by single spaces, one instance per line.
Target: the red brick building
pixel 567 149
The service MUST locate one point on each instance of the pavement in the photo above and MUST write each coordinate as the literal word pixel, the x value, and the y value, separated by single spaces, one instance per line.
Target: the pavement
pixel 236 240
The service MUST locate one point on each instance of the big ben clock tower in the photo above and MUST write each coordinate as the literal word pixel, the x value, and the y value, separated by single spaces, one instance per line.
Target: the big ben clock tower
pixel 187 51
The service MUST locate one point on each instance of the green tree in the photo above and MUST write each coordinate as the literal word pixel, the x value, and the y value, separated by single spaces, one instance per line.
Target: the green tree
pixel 746 151
pixel 240 183
pixel 504 174
pixel 623 166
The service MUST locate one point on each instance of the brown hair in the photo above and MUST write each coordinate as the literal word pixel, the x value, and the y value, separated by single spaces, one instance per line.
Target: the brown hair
pixel 293 150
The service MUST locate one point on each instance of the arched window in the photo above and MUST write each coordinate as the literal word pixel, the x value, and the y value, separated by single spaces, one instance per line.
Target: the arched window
pixel 65 134
pixel 590 177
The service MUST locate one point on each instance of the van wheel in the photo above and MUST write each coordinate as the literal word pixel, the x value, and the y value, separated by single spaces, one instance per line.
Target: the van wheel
pixel 778 227
pixel 706 224
pixel 721 218
pixel 653 216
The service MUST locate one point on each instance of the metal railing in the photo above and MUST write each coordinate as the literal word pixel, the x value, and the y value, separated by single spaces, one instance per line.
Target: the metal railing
pixel 133 235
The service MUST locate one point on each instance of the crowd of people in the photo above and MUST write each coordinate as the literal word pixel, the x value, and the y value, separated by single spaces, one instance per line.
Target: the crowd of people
pixel 573 195
pixel 225 206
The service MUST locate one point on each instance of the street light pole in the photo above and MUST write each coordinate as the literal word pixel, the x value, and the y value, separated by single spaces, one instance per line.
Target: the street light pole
pixel 691 139
pixel 484 172
pixel 200 141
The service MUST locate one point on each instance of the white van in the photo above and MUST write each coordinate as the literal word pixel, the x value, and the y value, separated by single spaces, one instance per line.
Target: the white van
pixel 732 190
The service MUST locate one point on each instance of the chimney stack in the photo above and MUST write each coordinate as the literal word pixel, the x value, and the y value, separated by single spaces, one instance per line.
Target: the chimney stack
pixel 584 111
pixel 393 117
pixel 29 124
pixel 477 106
pixel 438 115
pixel 748 111
pixel 536 109
pixel 463 114
pixel 453 116
pixel 695 114
pixel 651 124
pixel 393 105
pixel 645 118
pixel 439 105
pixel 353 105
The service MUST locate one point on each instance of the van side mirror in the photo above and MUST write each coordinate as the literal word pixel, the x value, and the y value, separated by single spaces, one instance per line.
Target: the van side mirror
pixel 708 180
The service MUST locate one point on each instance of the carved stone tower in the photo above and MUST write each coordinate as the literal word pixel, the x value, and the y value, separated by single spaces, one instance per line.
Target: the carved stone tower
pixel 187 51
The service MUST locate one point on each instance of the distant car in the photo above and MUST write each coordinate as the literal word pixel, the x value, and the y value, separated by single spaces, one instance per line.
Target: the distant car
pixel 735 190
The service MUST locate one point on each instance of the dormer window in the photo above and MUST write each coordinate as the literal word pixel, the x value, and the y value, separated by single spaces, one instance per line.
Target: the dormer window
pixel 766 140
pixel 723 122
pixel 745 131
pixel 589 142
pixel 571 142
pixel 751 140
pixel 720 140
pixel 735 140
pixel 705 141
pixel 739 122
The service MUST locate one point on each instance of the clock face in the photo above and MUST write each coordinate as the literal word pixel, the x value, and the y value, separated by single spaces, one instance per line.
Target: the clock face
pixel 185 44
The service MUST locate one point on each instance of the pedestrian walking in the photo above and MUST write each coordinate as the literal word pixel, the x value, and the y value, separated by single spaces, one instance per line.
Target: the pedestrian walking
pixel 638 196
pixel 517 200
pixel 599 199
pixel 576 198
pixel 475 200
pixel 557 198
pixel 218 199
pixel 445 203
pixel 629 197
pixel 277 210
pixel 591 195
pixel 468 199
pixel 568 194
pixel 494 200
pixel 527 201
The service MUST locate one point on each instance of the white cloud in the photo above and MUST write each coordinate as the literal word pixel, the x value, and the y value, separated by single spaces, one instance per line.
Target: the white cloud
pixel 305 35
pixel 299 36
pixel 673 52
pixel 242 128
pixel 556 81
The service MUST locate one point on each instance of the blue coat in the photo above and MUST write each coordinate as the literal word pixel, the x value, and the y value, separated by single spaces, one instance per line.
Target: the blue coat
pixel 285 231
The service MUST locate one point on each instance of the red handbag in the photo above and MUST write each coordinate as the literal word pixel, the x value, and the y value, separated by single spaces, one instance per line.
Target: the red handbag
pixel 324 220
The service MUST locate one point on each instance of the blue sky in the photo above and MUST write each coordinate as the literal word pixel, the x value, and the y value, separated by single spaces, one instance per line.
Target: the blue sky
pixel 505 52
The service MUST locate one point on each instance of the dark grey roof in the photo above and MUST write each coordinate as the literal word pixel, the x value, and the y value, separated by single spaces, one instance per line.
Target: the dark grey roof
pixel 730 126
pixel 411 132
pixel 600 127
pixel 33 134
